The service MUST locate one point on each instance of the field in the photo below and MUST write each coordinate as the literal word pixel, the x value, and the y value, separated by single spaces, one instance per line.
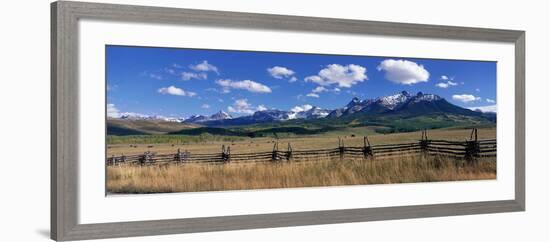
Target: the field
pixel 194 178
pixel 348 171
pixel 245 145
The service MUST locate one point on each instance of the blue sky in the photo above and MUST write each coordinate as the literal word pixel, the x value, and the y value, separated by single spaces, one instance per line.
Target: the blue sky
pixel 177 82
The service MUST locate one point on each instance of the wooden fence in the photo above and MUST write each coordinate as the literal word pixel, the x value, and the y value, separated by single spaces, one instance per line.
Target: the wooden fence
pixel 469 150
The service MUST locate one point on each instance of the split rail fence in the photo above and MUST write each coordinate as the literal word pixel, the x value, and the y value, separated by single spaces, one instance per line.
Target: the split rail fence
pixel 469 150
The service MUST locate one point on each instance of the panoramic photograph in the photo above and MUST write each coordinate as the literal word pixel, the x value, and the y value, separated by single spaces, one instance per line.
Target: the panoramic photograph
pixel 193 120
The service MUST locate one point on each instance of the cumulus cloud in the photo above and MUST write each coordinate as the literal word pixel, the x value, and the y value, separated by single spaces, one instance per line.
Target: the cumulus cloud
pixel 442 85
pixel 204 66
pixel 205 106
pixel 315 92
pixel 485 109
pixel 343 76
pixel 316 79
pixel 446 84
pixel 242 106
pixel 112 111
pixel 280 72
pixel 186 76
pixel 172 90
pixel 490 100
pixel 248 85
pixel 319 89
pixel 301 108
pixel 293 79
pixel 465 98
pixel 444 78
pixel 403 71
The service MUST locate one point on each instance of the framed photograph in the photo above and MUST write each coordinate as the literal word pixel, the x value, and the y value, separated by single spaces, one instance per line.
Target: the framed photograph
pixel 169 120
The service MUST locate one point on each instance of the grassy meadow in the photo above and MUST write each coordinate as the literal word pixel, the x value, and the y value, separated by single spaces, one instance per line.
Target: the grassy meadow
pixel 200 177
pixel 195 178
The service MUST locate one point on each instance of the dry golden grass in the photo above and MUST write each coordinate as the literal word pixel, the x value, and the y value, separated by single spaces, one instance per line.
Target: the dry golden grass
pixel 194 178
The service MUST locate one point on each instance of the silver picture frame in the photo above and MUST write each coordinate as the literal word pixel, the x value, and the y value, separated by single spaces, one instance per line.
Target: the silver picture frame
pixel 64 118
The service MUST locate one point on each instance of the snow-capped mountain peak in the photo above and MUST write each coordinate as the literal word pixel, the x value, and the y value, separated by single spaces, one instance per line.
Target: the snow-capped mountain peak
pixel 139 116
pixel 220 115
pixel 395 100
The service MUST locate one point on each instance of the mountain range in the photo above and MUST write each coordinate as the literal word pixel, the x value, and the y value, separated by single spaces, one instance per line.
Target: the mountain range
pixel 402 104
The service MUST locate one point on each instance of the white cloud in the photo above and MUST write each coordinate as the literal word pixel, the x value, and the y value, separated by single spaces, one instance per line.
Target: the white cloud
pixel 319 89
pixel 242 106
pixel 442 85
pixel 204 66
pixel 478 90
pixel 205 106
pixel 485 109
pixel 248 85
pixel 465 98
pixel 444 78
pixel 190 75
pixel 172 90
pixel 315 92
pixel 293 79
pixel 312 95
pixel 316 79
pixel 343 76
pixel 261 107
pixel 280 72
pixel 112 111
pixel 336 89
pixel 446 84
pixel 490 100
pixel 403 71
pixel 302 108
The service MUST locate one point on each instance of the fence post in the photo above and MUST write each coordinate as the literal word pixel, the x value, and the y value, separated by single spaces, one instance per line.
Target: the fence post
pixel 424 143
pixel 147 157
pixel 178 158
pixel 289 152
pixel 341 148
pixel 472 147
pixel 274 152
pixel 223 153
pixel 367 150
pixel 111 161
pixel 226 154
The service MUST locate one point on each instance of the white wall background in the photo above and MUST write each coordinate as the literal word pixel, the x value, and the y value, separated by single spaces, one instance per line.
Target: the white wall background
pixel 24 129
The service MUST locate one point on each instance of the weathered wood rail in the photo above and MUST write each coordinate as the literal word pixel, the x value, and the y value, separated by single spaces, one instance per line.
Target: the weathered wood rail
pixel 469 150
